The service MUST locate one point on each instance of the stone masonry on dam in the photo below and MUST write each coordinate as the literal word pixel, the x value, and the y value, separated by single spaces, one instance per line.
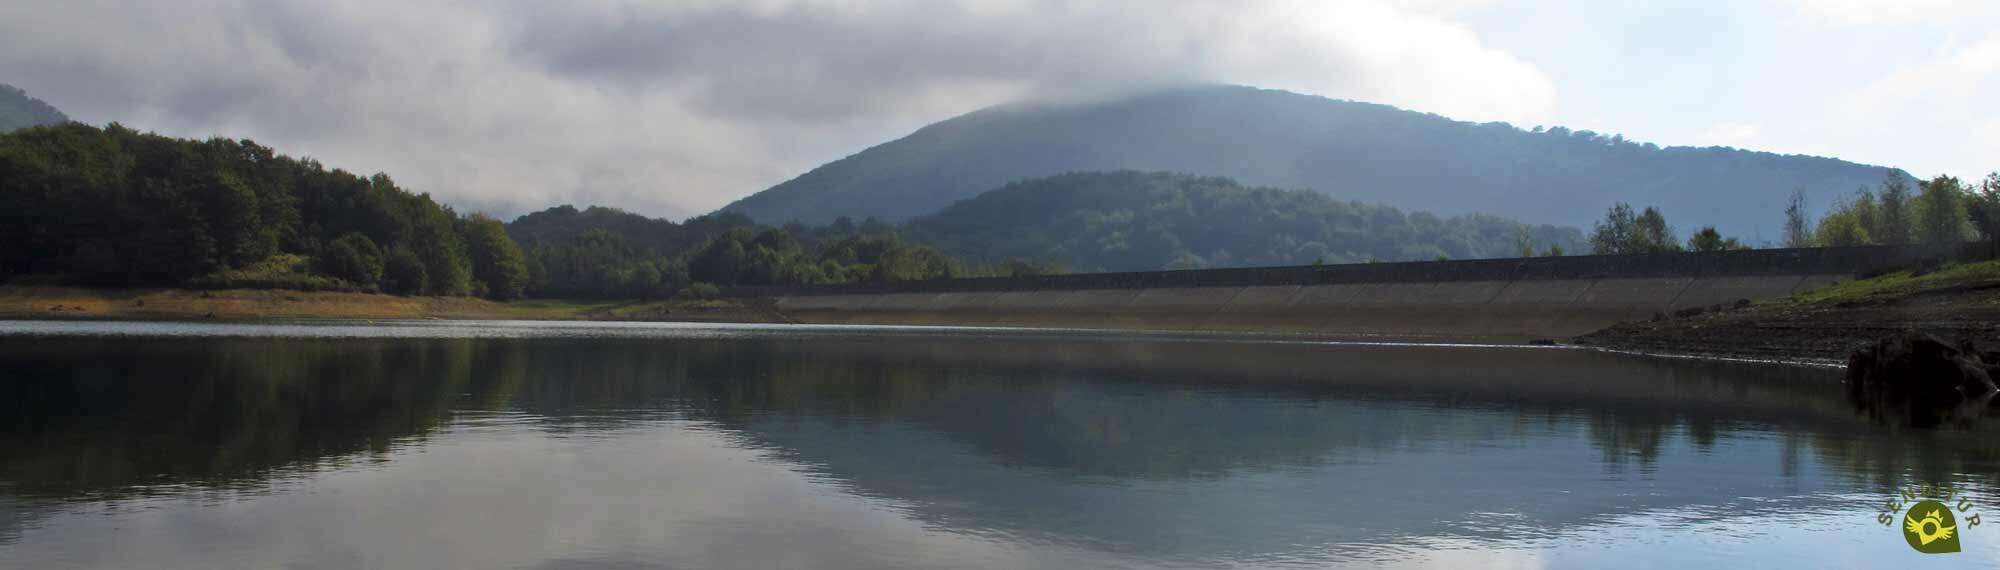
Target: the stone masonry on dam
pixel 1489 299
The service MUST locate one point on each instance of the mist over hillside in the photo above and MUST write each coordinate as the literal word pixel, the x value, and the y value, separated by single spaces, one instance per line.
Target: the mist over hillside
pixel 18 110
pixel 1347 150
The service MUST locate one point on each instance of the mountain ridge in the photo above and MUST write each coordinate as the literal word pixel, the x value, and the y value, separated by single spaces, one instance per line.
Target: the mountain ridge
pixel 1346 149
pixel 18 110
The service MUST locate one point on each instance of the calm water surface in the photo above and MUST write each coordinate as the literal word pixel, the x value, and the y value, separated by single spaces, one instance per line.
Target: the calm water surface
pixel 546 445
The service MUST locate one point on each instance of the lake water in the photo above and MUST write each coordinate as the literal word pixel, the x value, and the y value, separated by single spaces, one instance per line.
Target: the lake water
pixel 566 445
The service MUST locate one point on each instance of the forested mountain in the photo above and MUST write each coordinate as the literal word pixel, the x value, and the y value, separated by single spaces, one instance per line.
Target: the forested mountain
pixel 18 110
pixel 1350 150
pixel 1129 221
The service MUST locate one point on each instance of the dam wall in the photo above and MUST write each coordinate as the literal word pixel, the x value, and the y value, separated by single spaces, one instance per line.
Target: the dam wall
pixel 1488 299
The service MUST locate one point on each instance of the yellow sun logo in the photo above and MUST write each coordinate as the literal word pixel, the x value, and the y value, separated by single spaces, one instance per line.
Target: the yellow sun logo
pixel 1930 528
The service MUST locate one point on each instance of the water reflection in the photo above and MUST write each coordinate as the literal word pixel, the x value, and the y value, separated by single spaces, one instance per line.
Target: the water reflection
pixel 1161 451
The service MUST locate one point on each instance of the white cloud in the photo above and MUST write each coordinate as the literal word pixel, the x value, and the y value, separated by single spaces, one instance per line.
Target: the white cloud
pixel 676 108
pixel 1728 134
pixel 1881 12
pixel 1941 109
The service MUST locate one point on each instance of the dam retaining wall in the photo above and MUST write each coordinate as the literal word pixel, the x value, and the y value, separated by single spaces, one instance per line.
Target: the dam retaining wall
pixel 1488 299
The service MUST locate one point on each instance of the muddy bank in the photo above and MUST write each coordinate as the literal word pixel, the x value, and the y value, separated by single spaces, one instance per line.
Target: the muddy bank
pixel 1822 329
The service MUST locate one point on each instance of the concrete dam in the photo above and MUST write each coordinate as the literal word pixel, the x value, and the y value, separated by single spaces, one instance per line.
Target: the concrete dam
pixel 1497 300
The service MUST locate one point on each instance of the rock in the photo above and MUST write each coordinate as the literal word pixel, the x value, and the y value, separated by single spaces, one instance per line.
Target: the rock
pixel 1919 380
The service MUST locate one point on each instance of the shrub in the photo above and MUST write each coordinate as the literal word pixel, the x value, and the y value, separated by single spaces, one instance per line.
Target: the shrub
pixel 355 258
pixel 403 273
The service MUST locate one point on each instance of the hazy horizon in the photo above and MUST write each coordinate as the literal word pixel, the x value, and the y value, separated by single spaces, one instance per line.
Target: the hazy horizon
pixel 674 110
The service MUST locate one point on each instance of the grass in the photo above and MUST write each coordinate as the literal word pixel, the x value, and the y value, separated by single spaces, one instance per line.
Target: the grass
pixel 281 271
pixel 1902 284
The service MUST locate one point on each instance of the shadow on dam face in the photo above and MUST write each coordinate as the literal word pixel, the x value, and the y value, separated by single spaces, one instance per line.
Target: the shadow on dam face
pixel 1499 300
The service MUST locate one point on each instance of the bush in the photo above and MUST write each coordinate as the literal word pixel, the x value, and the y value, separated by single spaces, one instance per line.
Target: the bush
pixel 281 271
pixel 354 258
pixel 403 273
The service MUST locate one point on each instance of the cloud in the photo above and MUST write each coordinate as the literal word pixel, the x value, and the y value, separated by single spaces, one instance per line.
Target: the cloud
pixel 1942 106
pixel 674 108
pixel 1728 134
pixel 1880 12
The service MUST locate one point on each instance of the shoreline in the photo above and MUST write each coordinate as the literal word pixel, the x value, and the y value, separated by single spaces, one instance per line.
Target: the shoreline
pixel 1815 329
pixel 71 303
pixel 1823 326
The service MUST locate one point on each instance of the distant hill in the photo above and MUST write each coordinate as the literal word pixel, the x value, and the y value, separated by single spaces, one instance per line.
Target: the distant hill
pixel 1130 221
pixel 18 110
pixel 651 236
pixel 1349 150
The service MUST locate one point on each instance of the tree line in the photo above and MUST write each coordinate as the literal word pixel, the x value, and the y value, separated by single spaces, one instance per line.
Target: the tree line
pixel 605 253
pixel 113 207
pixel 116 207
pixel 1137 221
pixel 1942 211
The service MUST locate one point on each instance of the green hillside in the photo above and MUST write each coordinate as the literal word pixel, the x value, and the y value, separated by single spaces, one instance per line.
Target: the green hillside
pixel 1354 151
pixel 1128 221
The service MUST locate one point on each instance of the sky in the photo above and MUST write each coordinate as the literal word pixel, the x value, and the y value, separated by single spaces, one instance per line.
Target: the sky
pixel 674 108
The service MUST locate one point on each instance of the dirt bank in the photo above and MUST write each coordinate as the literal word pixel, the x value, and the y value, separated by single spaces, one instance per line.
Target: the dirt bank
pixel 247 304
pixel 1827 325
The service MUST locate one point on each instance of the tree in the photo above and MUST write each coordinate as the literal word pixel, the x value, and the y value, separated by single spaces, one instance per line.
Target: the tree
pixel 1841 230
pixel 354 258
pixel 1798 232
pixel 403 273
pixel 1614 234
pixel 720 262
pixel 496 260
pixel 640 281
pixel 1651 233
pixel 1941 211
pixel 1623 232
pixel 1866 211
pixel 1848 223
pixel 1708 239
pixel 436 242
pixel 1983 209
pixel 1524 242
pixel 911 263
pixel 1894 225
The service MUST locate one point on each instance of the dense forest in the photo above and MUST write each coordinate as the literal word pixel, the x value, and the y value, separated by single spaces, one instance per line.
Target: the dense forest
pixel 608 253
pixel 18 110
pixel 1127 221
pixel 1349 150
pixel 114 207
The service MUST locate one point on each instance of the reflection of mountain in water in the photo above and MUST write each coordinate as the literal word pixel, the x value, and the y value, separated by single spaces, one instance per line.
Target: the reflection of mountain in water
pixel 1161 447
